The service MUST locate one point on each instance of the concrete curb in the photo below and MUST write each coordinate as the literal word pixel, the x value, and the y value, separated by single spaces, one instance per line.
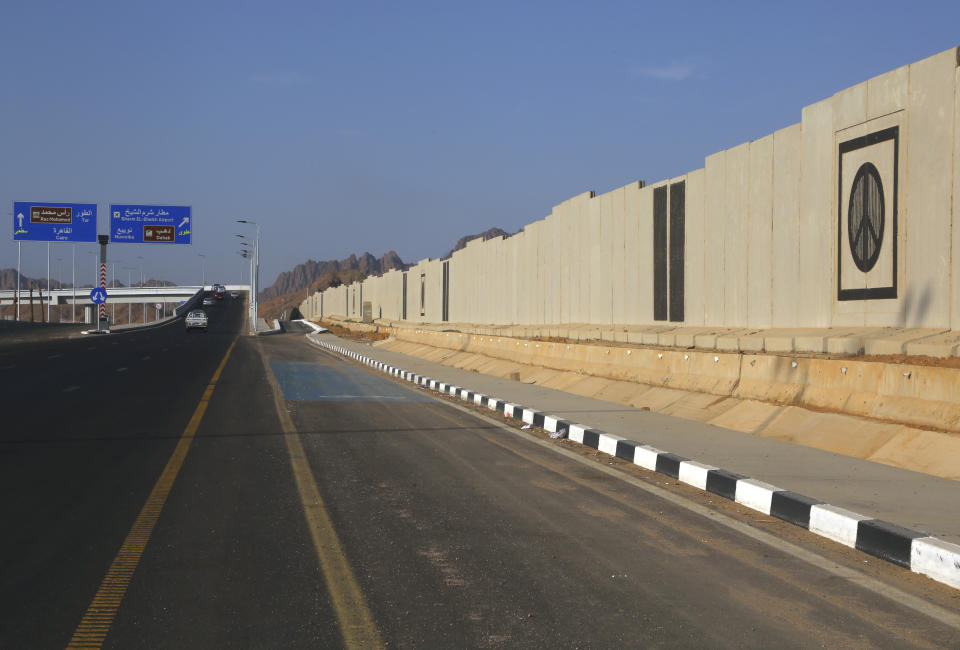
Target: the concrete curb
pixel 267 332
pixel 907 548
pixel 316 328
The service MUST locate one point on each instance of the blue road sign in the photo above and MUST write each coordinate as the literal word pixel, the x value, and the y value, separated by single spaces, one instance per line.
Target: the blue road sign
pixel 98 296
pixel 66 222
pixel 151 224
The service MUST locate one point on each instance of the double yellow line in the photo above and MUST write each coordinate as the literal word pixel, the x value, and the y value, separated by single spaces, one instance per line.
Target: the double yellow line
pixel 357 626
pixel 98 618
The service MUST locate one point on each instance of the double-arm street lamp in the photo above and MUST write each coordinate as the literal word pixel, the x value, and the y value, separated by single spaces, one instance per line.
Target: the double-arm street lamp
pixel 254 272
pixel 247 254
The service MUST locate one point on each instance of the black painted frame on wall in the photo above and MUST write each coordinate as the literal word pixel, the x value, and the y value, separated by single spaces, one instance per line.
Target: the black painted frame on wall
pixel 445 316
pixel 660 286
pixel 678 203
pixel 871 293
pixel 669 239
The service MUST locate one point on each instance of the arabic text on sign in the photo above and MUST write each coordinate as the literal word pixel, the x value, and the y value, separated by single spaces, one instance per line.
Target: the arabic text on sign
pixel 41 214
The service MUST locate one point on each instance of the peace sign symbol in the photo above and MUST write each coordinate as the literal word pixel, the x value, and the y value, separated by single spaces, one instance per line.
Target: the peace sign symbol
pixel 865 217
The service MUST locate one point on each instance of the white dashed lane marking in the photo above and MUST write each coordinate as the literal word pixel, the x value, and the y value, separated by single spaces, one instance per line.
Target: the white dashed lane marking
pixel 70 389
pixel 55 356
pixel 146 358
pixel 121 369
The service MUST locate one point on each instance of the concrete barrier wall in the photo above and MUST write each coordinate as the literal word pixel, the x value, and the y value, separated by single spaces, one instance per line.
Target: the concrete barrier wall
pixel 845 219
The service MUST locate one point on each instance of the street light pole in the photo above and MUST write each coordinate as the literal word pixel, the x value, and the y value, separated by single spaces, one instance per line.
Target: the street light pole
pixel 248 255
pixel 48 282
pixel 255 275
pixel 73 314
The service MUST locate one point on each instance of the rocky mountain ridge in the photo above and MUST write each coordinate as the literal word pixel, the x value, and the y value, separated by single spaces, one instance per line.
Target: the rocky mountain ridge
pixel 306 274
pixel 293 286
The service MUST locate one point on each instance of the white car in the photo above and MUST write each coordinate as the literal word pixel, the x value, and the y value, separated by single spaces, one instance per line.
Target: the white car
pixel 197 319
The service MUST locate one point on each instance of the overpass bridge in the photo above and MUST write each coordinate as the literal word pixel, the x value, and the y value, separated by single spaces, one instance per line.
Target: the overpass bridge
pixel 119 295
pixel 115 295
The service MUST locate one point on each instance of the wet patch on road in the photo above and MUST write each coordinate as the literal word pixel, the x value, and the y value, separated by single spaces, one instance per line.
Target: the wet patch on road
pixel 312 382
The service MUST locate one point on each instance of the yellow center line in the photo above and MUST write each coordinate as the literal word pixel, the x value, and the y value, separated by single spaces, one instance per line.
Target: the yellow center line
pixel 357 626
pixel 96 622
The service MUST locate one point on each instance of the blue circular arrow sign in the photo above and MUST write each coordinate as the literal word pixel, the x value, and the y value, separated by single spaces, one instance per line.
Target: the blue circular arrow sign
pixel 98 296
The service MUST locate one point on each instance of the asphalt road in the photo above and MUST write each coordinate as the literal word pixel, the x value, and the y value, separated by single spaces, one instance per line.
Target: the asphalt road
pixel 448 529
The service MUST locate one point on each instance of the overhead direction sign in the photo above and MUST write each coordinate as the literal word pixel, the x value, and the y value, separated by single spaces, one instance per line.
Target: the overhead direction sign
pixel 151 224
pixel 98 296
pixel 53 222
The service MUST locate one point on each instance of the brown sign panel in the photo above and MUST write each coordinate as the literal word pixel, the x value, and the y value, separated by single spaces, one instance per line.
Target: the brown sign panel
pixel 47 214
pixel 159 234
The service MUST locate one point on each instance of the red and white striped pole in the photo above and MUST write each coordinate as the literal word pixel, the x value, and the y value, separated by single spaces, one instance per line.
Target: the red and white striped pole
pixel 102 311
pixel 103 285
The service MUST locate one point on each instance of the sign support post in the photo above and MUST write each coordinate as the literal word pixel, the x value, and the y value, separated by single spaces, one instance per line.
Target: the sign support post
pixel 48 282
pixel 19 246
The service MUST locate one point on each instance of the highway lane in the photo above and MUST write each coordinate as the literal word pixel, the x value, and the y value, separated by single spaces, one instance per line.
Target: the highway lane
pixel 457 532
pixel 88 424
pixel 464 535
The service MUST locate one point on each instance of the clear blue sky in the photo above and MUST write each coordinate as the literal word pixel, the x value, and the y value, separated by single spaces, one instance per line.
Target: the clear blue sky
pixel 364 126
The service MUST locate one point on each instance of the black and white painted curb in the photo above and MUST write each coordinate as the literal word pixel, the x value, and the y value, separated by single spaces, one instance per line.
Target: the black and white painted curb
pixel 913 550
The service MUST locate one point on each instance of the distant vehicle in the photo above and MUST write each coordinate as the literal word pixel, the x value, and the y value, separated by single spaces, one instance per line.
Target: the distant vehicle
pixel 197 319
pixel 218 295
pixel 234 294
pixel 208 300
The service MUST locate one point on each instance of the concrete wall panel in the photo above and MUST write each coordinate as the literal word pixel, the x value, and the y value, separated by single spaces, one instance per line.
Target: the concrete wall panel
pixel 605 276
pixel 634 268
pixel 560 270
pixel 736 188
pixel 760 234
pixel 887 93
pixel 645 253
pixel 695 240
pixel 850 107
pixel 786 231
pixel 955 258
pixel 926 219
pixel 714 250
pixel 618 271
pixel 552 269
pixel 817 217
pixel 598 272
